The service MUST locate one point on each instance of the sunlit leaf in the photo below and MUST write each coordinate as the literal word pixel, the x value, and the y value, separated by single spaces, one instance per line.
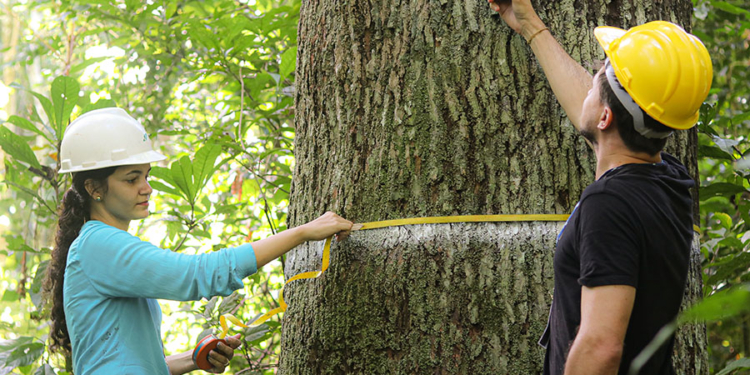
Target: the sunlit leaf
pixel 722 305
pixel 288 62
pixel 28 125
pixel 17 147
pixel 64 98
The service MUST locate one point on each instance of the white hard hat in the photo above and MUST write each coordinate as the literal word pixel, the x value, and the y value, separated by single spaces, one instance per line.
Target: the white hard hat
pixel 104 138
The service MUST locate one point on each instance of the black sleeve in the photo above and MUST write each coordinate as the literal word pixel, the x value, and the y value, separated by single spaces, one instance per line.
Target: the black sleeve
pixel 608 247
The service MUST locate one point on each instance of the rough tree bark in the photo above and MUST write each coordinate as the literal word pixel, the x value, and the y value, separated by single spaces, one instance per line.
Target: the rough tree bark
pixel 409 108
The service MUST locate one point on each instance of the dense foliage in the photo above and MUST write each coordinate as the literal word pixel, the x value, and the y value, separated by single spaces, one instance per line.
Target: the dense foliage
pixel 213 82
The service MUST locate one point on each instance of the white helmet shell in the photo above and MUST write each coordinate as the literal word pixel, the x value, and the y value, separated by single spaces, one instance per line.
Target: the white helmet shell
pixel 104 138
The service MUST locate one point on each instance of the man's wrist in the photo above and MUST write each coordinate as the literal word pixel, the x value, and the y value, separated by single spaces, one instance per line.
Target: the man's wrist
pixel 533 29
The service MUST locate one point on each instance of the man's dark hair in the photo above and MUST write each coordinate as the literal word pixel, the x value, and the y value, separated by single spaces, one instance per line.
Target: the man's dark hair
pixel 633 140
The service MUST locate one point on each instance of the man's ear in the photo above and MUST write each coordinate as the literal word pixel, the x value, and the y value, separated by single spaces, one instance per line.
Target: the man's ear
pixel 607 119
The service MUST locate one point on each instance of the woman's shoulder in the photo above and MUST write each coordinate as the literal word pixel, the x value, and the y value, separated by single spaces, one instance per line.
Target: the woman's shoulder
pixel 96 233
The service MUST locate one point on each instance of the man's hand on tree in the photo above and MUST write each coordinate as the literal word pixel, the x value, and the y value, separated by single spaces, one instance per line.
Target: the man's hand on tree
pixel 519 15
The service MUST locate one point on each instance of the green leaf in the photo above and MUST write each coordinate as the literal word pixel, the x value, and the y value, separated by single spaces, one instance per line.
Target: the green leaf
pixel 228 304
pixel 182 175
pixel 725 220
pixel 713 152
pixel 17 147
pixel 726 145
pixel 720 189
pixel 740 364
pixel 47 106
pixel 165 188
pixel 79 67
pixel 41 271
pixel 101 103
pixel 203 165
pixel 256 332
pixel 723 5
pixel 64 97
pixel 721 305
pixel 288 62
pixel 21 355
pixel 729 268
pixel 10 296
pixel 45 369
pixel 28 125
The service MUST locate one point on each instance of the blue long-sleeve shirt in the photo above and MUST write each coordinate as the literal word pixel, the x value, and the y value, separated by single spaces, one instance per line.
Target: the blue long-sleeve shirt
pixel 111 281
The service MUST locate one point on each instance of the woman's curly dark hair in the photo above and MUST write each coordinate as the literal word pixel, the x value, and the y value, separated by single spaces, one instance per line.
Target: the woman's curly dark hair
pixel 74 212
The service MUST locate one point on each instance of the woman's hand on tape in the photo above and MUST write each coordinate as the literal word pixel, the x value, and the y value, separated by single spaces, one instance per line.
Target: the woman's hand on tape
pixel 325 226
pixel 221 356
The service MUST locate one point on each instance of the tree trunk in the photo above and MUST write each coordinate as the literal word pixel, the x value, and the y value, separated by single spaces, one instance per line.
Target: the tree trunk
pixel 432 108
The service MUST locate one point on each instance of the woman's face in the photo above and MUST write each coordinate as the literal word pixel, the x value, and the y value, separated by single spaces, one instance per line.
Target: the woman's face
pixel 127 195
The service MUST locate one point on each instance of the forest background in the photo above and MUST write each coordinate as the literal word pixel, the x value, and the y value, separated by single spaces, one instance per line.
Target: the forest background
pixel 213 83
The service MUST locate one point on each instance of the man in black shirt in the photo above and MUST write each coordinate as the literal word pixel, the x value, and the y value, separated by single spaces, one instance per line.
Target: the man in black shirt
pixel 621 260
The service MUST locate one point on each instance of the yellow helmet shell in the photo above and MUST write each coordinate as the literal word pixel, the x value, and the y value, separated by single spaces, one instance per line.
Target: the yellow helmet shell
pixel 665 70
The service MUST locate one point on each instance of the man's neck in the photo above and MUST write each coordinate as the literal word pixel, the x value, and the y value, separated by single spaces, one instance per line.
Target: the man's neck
pixel 607 159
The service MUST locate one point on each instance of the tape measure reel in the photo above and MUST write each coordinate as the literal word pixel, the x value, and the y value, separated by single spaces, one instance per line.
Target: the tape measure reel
pixel 205 346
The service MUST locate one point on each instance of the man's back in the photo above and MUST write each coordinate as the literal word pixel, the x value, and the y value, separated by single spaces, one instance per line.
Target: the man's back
pixel 632 227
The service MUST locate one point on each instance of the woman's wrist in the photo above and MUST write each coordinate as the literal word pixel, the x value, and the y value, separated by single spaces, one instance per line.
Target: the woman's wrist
pixel 181 363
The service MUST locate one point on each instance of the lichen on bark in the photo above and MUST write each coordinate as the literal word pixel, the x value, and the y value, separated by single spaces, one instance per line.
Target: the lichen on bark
pixel 410 108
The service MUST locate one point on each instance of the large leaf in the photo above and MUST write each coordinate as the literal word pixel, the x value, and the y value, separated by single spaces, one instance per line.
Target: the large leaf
pixel 740 364
pixel 203 165
pixel 288 62
pixel 64 98
pixel 726 145
pixel 713 152
pixel 721 305
pixel 228 304
pixel 720 189
pixel 17 147
pixel 36 284
pixel 165 188
pixel 101 103
pixel 48 110
pixel 182 175
pixel 725 6
pixel 28 125
pixel 46 369
pixel 19 352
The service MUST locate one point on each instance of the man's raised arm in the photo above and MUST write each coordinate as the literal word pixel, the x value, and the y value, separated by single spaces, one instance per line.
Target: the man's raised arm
pixel 569 80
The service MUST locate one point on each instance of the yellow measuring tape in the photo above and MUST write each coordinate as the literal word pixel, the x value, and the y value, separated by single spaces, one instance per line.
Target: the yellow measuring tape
pixel 393 223
pixel 399 222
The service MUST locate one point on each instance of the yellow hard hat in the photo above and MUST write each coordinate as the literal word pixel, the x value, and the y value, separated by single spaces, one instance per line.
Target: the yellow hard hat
pixel 665 70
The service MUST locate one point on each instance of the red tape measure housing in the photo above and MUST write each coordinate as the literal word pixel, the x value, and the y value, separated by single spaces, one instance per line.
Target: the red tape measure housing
pixel 200 354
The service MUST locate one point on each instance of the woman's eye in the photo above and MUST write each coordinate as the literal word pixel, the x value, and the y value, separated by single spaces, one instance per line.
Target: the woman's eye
pixel 132 181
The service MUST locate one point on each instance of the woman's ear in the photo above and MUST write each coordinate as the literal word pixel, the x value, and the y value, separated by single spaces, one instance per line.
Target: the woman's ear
pixel 93 188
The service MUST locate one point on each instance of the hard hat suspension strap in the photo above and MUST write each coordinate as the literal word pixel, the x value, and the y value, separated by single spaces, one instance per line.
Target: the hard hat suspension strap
pixel 631 105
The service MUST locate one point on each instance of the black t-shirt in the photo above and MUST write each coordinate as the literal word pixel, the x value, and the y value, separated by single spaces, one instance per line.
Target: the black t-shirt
pixel 633 226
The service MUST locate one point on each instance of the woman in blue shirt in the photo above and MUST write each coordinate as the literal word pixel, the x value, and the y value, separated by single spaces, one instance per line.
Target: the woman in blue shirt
pixel 104 282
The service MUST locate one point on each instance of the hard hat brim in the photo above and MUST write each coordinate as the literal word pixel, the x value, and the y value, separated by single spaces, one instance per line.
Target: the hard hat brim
pixel 605 35
pixel 142 158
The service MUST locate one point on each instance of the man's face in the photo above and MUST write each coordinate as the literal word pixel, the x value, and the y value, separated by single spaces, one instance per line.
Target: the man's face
pixel 127 193
pixel 592 110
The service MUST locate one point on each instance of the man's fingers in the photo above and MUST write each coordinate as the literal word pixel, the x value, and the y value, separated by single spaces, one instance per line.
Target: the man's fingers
pixel 494 6
pixel 219 364
pixel 224 350
pixel 233 341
